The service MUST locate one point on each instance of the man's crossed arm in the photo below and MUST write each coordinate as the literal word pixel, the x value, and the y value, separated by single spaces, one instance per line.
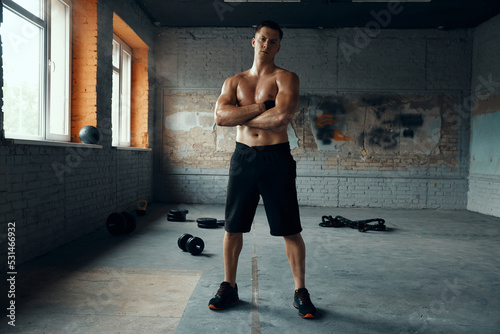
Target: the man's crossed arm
pixel 259 115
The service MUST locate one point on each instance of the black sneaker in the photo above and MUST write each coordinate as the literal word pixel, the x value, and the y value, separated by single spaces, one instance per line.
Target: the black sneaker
pixel 225 296
pixel 302 302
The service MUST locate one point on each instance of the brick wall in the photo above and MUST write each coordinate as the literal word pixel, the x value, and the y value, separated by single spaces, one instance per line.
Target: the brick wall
pixel 484 194
pixel 56 194
pixel 484 178
pixel 84 66
pixel 422 73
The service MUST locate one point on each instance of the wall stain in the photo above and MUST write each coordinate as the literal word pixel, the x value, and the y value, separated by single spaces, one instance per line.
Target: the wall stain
pixel 384 138
pixel 410 123
pixel 388 135
pixel 331 106
pixel 390 126
pixel 326 132
pixel 381 104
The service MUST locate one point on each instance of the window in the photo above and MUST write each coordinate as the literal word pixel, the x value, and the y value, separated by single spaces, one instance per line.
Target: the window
pixel 36 59
pixel 121 100
pixel 130 100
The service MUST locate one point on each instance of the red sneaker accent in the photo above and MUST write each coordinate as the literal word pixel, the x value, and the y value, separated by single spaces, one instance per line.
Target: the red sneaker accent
pixel 308 316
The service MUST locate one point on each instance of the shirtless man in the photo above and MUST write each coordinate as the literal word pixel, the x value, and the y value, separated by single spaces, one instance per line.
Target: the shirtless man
pixel 261 103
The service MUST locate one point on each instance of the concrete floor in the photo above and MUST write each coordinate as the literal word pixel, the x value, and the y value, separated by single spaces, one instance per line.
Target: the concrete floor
pixel 433 272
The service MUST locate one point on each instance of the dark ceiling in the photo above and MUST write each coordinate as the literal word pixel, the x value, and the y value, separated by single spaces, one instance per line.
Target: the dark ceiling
pixel 447 14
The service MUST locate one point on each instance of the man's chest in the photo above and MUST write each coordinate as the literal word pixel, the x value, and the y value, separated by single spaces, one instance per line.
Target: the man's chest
pixel 256 91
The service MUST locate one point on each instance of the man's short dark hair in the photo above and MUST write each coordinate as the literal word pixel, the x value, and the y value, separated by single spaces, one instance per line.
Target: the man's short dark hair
pixel 270 24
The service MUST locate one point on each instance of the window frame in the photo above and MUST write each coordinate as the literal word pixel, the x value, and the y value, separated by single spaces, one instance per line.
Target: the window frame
pixel 44 22
pixel 67 74
pixel 118 129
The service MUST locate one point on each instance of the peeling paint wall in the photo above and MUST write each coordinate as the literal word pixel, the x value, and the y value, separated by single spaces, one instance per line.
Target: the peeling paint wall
pixel 485 144
pixel 484 177
pixel 363 127
pixel 389 113
pixel 378 125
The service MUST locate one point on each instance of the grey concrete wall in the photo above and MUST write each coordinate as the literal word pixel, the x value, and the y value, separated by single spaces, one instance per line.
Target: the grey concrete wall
pixel 484 178
pixel 57 193
pixel 367 84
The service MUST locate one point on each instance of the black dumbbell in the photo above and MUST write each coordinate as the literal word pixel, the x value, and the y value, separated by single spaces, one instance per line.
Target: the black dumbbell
pixel 121 223
pixel 188 243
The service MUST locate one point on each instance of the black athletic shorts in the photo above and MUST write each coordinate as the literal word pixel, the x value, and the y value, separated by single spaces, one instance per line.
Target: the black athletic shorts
pixel 267 171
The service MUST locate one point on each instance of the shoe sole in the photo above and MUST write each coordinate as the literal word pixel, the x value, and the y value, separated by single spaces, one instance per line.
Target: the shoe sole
pixel 307 316
pixel 212 307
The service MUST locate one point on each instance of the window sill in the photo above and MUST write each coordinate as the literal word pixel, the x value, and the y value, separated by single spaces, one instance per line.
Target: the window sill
pixel 128 148
pixel 49 143
pixel 13 141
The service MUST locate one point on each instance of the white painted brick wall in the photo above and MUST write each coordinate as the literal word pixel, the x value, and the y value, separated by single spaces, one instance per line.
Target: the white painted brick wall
pixel 335 191
pixel 200 59
pixel 484 194
pixel 485 55
pixel 395 60
pixel 484 190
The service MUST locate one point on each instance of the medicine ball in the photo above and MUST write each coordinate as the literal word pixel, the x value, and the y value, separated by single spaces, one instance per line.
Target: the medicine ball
pixel 89 135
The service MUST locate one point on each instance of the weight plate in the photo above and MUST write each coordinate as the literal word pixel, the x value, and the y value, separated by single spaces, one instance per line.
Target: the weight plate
pixel 176 217
pixel 177 211
pixel 177 214
pixel 195 245
pixel 131 222
pixel 181 242
pixel 203 225
pixel 115 224
pixel 207 222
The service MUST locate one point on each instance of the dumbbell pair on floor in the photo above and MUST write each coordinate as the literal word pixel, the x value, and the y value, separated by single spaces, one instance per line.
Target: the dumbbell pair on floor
pixel 121 223
pixel 188 243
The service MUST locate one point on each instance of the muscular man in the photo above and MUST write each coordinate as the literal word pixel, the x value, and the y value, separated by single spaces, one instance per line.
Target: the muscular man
pixel 261 103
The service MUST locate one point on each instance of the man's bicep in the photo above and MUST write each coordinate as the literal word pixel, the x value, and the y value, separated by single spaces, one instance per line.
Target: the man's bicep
pixel 287 99
pixel 226 99
pixel 228 93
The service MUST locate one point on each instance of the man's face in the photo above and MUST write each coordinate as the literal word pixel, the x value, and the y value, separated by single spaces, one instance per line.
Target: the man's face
pixel 266 42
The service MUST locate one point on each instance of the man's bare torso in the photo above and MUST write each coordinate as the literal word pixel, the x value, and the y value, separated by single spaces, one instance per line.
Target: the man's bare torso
pixel 254 89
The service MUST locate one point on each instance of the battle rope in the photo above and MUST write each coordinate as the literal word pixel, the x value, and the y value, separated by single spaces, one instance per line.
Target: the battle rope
pixel 360 225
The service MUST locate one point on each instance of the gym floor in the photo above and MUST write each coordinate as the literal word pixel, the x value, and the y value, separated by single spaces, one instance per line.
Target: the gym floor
pixel 433 272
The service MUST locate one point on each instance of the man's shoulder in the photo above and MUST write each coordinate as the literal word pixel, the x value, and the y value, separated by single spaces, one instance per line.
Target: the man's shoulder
pixel 285 75
pixel 240 76
pixel 235 79
pixel 282 73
